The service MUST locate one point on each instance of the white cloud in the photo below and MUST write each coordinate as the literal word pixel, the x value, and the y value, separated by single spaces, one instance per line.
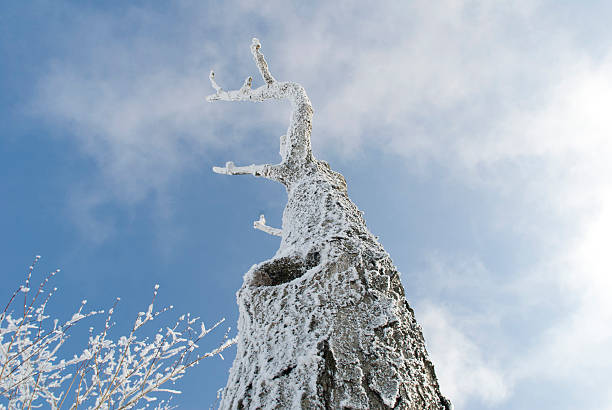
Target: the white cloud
pixel 463 373
pixel 576 347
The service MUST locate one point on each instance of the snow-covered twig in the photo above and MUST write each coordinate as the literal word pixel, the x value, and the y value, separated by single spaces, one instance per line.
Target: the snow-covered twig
pixel 107 374
pixel 273 172
pixel 231 169
pixel 260 61
pixel 261 225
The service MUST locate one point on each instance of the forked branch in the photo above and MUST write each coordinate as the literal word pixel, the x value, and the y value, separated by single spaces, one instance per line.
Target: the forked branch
pixel 296 150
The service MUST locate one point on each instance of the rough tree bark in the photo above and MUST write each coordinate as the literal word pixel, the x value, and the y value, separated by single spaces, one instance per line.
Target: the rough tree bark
pixel 324 323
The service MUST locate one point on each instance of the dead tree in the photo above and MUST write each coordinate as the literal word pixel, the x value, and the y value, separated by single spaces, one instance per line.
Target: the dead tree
pixel 324 323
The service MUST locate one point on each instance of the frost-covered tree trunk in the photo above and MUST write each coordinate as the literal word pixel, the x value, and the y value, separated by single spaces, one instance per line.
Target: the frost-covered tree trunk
pixel 324 323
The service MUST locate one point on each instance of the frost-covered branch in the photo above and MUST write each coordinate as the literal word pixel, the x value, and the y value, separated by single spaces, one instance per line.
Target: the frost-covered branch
pixel 261 62
pixel 295 150
pixel 231 169
pixel 261 225
pixel 273 172
pixel 108 373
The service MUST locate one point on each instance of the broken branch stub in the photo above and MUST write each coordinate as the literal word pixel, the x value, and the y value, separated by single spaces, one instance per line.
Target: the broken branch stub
pixel 261 225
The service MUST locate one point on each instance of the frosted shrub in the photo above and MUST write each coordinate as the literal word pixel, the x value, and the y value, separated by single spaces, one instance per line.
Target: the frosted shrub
pixel 116 374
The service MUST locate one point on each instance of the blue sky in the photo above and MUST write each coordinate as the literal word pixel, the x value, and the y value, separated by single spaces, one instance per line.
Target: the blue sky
pixel 475 136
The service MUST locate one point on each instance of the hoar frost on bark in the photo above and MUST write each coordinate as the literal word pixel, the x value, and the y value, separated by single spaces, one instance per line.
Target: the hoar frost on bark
pixel 324 323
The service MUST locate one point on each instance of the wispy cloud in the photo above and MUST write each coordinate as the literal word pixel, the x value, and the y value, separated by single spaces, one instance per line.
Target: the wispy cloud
pixel 464 373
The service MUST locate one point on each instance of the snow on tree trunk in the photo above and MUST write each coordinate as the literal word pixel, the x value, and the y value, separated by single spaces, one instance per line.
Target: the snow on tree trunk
pixel 325 322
